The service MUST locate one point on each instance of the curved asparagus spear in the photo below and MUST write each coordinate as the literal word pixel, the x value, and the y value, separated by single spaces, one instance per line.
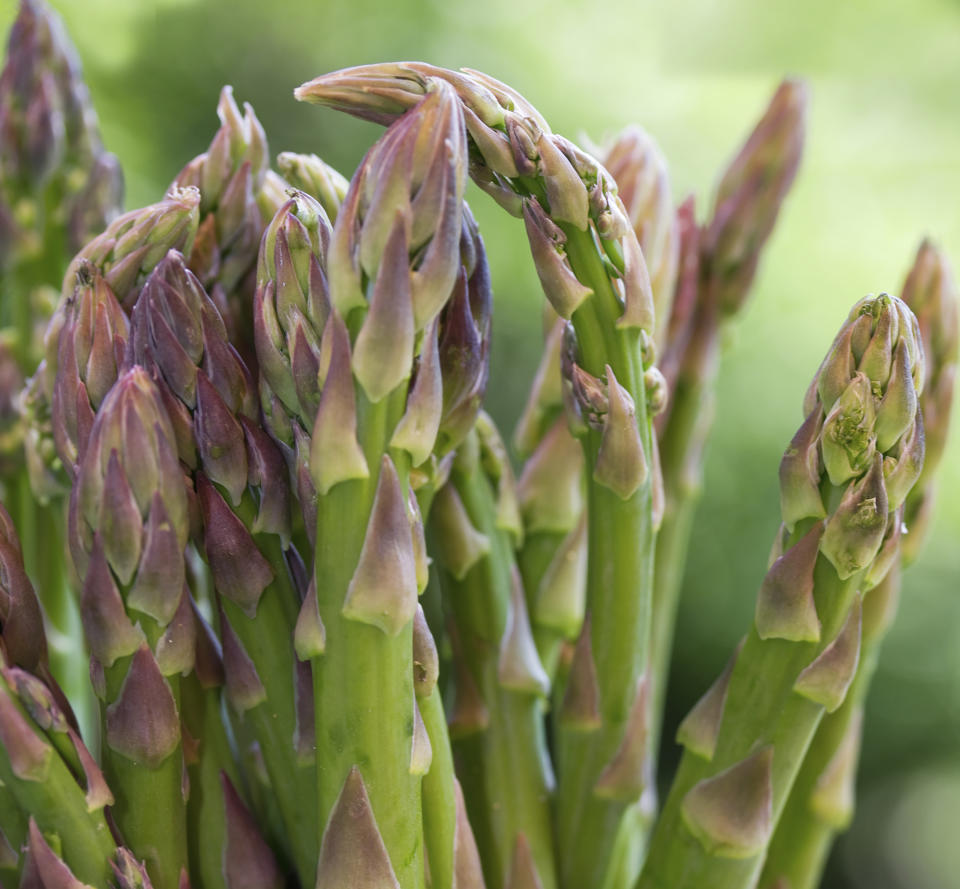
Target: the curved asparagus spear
pixel 843 480
pixel 821 802
pixel 496 723
pixel 245 507
pixel 592 269
pixel 128 530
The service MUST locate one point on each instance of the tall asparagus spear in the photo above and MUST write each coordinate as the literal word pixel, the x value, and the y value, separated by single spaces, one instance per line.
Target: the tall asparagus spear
pixel 128 530
pixel 821 802
pixel 716 270
pixel 245 506
pixel 496 722
pixel 393 260
pixel 592 269
pixel 843 479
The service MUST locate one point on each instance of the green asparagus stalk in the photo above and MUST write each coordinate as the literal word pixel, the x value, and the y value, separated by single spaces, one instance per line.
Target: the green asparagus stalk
pixel 843 479
pixel 822 800
pixel 128 529
pixel 592 269
pixel 245 507
pixel 393 262
pixel 717 266
pixel 496 723
pixel 46 772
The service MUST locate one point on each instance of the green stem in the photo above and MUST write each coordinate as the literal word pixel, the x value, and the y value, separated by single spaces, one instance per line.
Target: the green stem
pixel 363 683
pixel 761 709
pixel 439 795
pixel 619 589
pixel 504 767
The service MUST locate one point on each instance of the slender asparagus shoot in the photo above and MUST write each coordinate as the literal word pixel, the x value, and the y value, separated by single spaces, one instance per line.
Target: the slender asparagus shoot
pixel 843 480
pixel 821 803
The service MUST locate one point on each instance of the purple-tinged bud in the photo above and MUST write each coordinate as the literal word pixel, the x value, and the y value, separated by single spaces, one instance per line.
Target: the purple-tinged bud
pixel 248 861
pixel 643 184
pixel 130 872
pixel 335 453
pixel 244 687
pixel 731 814
pixel 562 594
pixel 309 635
pixel 800 473
pixel 383 351
pixel 785 607
pixel 701 726
pixel 23 642
pixel 421 751
pixel 45 866
pixel 220 440
pixel 628 773
pixel 551 484
pixel 848 441
pixel 416 433
pixel 240 571
pixel 28 753
pixel 176 648
pixel 581 698
pixel 142 724
pixel 310 174
pixel 566 193
pixel 638 306
pixel 496 465
pixel 832 800
pixel 903 466
pixel 266 477
pixel 827 679
pixel 383 589
pixel 426 661
pixel 460 544
pixel 854 533
pixel 560 285
pixel 518 666
pixel 161 568
pixel 898 407
pixel 107 628
pixel 352 852
pixel 621 461
pixel 889 554
pixel 523 869
pixel 467 870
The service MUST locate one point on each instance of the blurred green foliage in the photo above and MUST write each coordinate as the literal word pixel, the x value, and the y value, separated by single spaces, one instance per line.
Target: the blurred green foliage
pixel 882 169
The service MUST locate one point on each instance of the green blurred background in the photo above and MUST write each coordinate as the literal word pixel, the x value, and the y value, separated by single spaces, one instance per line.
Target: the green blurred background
pixel 882 169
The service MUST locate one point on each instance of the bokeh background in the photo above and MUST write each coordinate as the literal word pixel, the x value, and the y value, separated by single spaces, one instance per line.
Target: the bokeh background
pixel 882 170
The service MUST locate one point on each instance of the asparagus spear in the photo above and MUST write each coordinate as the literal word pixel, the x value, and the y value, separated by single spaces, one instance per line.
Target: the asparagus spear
pixel 128 529
pixel 843 480
pixel 245 506
pixel 405 200
pixel 717 266
pixel 592 269
pixel 496 723
pixel 822 800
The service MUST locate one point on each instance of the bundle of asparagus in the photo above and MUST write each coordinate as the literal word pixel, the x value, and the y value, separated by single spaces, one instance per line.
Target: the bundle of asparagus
pixel 332 636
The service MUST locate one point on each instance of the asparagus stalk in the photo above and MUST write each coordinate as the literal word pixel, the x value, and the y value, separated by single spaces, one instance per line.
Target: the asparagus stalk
pixel 717 266
pixel 128 530
pixel 405 201
pixel 245 507
pixel 46 772
pixel 822 800
pixel 592 269
pixel 843 480
pixel 496 723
